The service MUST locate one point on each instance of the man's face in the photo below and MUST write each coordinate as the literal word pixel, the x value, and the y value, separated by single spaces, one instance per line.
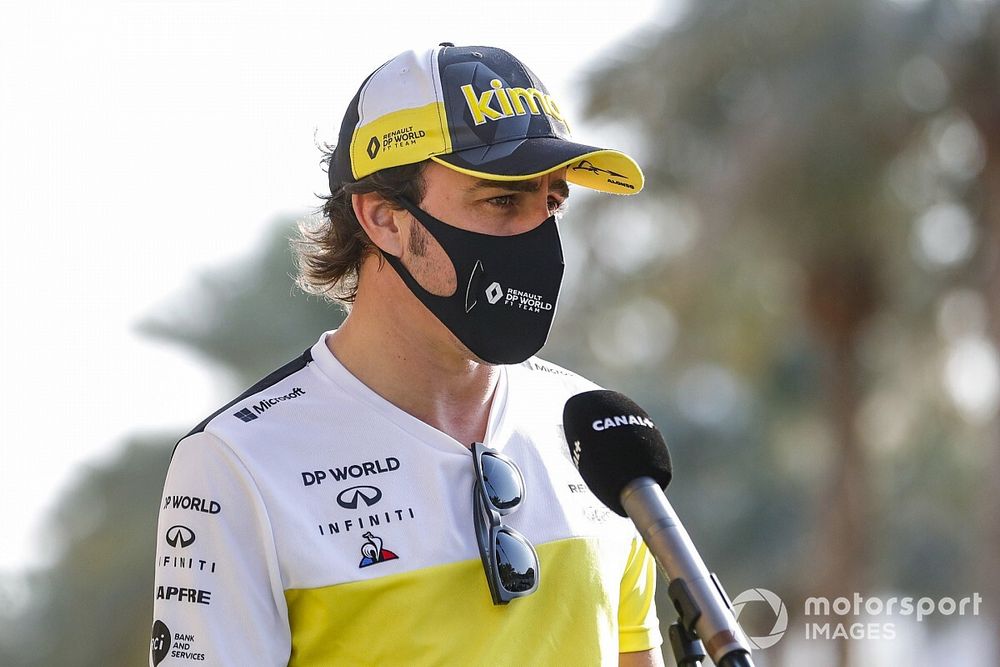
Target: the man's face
pixel 499 208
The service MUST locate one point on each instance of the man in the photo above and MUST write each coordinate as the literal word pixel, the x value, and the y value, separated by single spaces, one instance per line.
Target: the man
pixel 403 493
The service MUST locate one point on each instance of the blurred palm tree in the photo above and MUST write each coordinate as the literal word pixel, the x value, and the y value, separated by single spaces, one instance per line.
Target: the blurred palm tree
pixel 93 606
pixel 794 141
pixel 248 319
pixel 974 65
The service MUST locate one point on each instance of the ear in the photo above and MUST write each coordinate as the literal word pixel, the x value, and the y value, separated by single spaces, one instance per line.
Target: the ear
pixel 378 218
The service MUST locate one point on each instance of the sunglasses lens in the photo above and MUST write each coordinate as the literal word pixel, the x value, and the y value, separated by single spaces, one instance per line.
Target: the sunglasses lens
pixel 502 482
pixel 517 563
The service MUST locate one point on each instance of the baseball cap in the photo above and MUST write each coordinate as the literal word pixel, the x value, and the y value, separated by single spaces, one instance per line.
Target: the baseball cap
pixel 475 109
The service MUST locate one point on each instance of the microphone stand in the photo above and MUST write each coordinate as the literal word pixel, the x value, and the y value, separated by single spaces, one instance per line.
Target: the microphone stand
pixel 688 649
pixel 684 642
pixel 696 593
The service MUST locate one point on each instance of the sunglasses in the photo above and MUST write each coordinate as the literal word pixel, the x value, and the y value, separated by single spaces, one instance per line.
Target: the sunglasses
pixel 509 560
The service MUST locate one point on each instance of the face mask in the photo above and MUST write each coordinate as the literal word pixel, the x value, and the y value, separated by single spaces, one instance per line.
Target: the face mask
pixel 507 288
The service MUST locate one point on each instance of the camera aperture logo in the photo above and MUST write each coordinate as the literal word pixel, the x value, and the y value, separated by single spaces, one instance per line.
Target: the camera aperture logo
pixel 777 606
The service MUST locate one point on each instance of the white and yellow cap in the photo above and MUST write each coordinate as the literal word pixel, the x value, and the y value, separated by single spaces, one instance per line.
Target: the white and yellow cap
pixel 475 109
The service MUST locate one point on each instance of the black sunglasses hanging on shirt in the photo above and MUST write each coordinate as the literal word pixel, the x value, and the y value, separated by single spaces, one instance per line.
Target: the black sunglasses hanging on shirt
pixel 509 560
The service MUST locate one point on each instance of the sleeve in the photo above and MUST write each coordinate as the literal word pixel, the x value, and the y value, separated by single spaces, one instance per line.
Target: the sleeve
pixel 218 597
pixel 638 626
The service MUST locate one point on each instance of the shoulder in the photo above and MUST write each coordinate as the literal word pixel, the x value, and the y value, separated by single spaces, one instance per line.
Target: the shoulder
pixel 546 372
pixel 262 395
pixel 548 376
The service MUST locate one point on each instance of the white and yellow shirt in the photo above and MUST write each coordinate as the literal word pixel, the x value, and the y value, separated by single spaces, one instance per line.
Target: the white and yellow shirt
pixel 312 522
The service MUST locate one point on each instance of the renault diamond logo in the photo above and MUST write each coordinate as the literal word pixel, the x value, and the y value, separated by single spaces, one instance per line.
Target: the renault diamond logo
pixel 494 293
pixel 373 147
pixel 348 498
pixel 180 536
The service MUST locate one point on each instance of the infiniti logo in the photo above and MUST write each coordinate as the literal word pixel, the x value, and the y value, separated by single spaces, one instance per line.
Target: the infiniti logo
pixel 180 536
pixel 348 498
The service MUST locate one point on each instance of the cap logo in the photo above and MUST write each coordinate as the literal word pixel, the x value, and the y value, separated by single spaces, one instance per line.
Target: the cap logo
pixel 373 147
pixel 511 101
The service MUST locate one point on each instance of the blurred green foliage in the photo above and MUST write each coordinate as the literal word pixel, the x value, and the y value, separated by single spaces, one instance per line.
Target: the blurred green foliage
pixel 250 318
pixel 93 606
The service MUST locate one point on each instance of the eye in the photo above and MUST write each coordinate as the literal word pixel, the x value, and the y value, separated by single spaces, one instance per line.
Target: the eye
pixel 557 206
pixel 503 201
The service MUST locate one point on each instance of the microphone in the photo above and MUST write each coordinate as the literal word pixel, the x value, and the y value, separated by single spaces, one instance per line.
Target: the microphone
pixel 622 457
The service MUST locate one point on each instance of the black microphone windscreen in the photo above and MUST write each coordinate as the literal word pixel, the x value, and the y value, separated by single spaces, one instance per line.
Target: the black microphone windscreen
pixel 613 441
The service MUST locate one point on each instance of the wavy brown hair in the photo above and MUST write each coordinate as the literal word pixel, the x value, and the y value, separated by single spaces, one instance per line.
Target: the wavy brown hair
pixel 329 255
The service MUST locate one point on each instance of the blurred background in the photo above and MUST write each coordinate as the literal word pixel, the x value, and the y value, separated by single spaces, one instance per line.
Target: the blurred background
pixel 806 297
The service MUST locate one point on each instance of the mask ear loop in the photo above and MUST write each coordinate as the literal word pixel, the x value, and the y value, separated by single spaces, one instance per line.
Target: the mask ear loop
pixel 404 273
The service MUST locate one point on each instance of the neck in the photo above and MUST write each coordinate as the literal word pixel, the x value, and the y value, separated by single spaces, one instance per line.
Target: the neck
pixel 392 344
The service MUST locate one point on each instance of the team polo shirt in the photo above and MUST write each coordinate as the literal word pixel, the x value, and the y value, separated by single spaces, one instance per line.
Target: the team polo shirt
pixel 312 522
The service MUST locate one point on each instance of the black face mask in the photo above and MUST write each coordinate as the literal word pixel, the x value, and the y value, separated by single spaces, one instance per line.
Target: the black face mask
pixel 503 306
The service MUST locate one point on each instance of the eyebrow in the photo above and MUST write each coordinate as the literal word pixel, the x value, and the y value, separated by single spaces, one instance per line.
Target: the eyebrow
pixel 559 187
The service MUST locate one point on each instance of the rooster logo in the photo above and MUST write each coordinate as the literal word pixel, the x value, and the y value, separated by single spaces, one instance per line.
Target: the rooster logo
pixel 372 551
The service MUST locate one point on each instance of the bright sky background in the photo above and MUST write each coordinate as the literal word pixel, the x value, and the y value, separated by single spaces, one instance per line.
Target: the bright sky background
pixel 145 142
